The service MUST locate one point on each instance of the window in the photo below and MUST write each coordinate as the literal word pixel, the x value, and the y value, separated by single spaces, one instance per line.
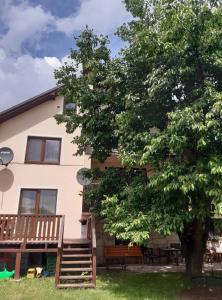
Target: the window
pixel 41 202
pixel 43 150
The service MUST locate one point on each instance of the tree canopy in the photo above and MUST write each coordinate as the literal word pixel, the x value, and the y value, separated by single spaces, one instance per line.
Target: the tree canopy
pixel 159 103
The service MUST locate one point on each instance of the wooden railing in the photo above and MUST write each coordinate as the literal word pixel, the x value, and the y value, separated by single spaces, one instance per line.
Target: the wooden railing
pixel 59 253
pixel 91 235
pixel 31 228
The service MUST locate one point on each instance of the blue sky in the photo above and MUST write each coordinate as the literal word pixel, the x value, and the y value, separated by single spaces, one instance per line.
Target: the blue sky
pixel 36 36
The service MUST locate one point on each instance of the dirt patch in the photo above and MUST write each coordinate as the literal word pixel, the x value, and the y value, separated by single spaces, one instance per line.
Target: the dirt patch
pixel 202 293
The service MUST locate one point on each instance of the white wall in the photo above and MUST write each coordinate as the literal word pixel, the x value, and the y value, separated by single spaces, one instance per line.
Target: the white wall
pixel 40 121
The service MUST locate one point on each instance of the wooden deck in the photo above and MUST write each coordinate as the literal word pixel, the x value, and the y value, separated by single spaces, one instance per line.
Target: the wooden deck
pixel 30 233
pixel 38 234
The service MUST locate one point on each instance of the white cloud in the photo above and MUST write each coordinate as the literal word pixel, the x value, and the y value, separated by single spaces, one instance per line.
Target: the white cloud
pixel 30 23
pixel 24 77
pixel 25 23
pixel 53 62
pixel 57 63
pixel 102 15
pixel 2 55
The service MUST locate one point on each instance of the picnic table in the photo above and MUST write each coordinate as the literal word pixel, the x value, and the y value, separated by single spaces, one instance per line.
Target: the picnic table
pixel 172 254
pixel 214 251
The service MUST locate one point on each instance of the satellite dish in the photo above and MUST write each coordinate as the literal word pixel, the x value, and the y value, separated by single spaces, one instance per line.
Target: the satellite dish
pixel 82 178
pixel 70 106
pixel 6 156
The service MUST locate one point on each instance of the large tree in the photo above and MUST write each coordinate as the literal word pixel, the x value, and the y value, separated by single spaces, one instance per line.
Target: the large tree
pixel 160 104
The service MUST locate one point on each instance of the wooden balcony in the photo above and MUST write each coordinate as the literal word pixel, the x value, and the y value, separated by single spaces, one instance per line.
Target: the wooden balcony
pixel 31 229
pixel 38 233
pixel 30 233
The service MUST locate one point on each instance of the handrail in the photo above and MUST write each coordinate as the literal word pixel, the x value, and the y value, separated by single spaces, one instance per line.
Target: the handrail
pixel 89 231
pixel 61 232
pixel 93 228
pixel 59 253
pixel 28 215
pixel 91 234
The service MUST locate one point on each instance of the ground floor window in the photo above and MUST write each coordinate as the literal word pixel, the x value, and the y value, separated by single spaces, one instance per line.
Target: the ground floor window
pixel 38 201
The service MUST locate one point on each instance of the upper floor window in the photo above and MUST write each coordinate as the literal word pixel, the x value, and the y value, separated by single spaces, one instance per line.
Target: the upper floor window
pixel 41 150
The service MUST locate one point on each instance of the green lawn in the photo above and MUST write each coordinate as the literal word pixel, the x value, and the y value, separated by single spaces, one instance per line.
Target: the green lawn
pixel 110 286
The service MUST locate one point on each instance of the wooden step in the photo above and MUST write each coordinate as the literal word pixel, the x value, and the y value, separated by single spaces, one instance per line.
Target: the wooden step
pixel 76 249
pixel 83 277
pixel 76 255
pixel 77 285
pixel 76 269
pixel 77 262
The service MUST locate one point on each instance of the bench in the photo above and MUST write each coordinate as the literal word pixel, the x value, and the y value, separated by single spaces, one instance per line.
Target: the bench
pixel 121 252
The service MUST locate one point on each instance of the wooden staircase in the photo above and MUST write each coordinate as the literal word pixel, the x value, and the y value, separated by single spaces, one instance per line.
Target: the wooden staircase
pixel 76 262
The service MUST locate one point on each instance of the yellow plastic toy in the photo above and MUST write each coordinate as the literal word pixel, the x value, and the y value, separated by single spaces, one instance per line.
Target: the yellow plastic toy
pixel 39 272
pixel 31 273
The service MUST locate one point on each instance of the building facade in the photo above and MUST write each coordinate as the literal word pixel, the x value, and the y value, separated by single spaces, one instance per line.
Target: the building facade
pixel 41 181
pixel 42 176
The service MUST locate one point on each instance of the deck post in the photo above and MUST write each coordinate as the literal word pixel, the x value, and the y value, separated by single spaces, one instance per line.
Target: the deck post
pixel 18 265
pixel 94 266
pixel 93 238
pixel 59 252
pixel 58 261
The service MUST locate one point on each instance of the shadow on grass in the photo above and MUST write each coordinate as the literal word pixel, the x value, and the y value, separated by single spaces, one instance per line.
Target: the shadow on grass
pixel 123 285
pixel 132 286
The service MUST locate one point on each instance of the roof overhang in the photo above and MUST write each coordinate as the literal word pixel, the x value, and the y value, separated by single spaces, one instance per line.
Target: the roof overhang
pixel 28 104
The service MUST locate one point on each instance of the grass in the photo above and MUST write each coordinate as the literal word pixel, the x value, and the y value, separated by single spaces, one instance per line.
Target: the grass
pixel 110 286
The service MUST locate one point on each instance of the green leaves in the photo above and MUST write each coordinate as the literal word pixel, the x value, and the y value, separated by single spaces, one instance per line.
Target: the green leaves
pixel 159 103
pixel 88 82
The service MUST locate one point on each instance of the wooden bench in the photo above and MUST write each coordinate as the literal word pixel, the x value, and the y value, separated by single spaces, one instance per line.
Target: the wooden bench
pixel 121 252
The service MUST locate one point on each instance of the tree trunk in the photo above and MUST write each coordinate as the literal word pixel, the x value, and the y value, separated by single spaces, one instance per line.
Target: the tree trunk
pixel 193 241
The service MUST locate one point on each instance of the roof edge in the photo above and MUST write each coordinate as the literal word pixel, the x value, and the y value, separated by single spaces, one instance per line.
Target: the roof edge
pixel 28 104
